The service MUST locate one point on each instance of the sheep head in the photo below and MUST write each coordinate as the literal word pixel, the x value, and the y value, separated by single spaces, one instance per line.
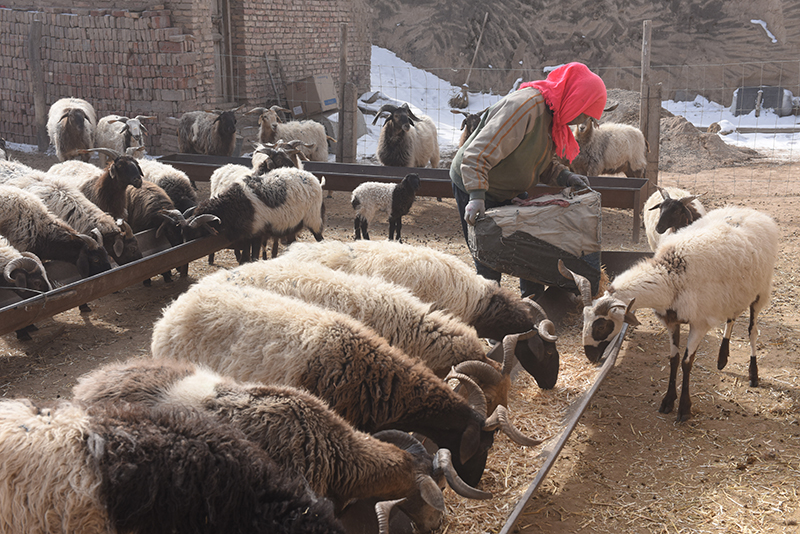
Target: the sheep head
pixel 674 212
pixel 402 118
pixel 602 317
pixel 226 123
pixel 92 258
pixel 27 272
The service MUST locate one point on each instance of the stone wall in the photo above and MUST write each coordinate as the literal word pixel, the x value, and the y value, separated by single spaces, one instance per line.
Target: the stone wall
pixel 160 60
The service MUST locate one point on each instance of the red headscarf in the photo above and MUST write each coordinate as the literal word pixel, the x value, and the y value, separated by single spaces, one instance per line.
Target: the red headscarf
pixel 568 91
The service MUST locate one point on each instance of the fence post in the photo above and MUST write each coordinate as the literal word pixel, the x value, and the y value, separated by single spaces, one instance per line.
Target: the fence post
pixel 342 82
pixel 37 79
pixel 649 110
pixel 347 120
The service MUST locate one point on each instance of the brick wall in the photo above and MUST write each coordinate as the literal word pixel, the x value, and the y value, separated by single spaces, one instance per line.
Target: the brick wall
pixel 160 60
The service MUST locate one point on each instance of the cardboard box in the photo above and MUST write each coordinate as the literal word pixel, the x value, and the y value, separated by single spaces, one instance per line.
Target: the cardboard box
pixel 312 95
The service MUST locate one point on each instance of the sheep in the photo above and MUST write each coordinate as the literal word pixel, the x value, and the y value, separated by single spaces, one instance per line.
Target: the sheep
pixel 71 124
pixel 394 199
pixel 104 469
pixel 3 150
pixel 119 134
pixel 22 270
pixel 609 148
pixel 278 154
pixel 279 203
pixel 252 334
pixel 676 208
pixel 203 132
pixel 29 226
pixel 469 124
pixel 451 285
pixel 69 204
pixel 405 139
pixel 298 430
pixel 175 183
pixel 707 273
pixel 309 132
pixel 105 187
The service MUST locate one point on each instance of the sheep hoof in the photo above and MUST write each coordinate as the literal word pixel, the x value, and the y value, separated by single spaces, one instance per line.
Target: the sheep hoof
pixel 84 308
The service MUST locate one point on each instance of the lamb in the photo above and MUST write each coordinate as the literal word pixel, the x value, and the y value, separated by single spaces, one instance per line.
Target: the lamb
pixel 22 270
pixel 309 132
pixel 279 203
pixel 469 124
pixel 709 272
pixel 106 187
pixel 609 148
pixel 450 285
pixel 406 140
pixel 175 183
pixel 369 198
pixel 130 468
pixel 677 208
pixel 71 124
pixel 28 225
pixel 297 429
pixel 119 134
pixel 251 334
pixel 202 132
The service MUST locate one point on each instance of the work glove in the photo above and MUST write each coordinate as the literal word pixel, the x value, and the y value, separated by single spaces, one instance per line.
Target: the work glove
pixel 576 181
pixel 475 208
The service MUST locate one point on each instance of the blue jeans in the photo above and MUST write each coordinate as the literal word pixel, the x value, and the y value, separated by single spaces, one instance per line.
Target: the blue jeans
pixel 526 287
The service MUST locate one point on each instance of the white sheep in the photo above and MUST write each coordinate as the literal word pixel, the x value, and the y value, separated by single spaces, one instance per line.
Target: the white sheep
pixel 405 139
pixel 706 274
pixel 311 133
pixel 370 198
pixel 609 148
pixel 71 124
pixel 252 334
pixel 668 210
pixel 104 469
pixel 298 430
pixel 119 133
pixel 452 285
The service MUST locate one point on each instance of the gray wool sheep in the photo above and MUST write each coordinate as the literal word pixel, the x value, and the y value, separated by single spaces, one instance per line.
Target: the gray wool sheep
pixel 405 139
pixel 105 469
pixel 71 124
pixel 203 132
pixel 708 273
pixel 370 198
pixel 175 183
pixel 311 133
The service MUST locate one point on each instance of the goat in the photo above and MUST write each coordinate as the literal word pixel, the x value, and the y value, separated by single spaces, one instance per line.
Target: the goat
pixel 450 285
pixel 71 124
pixel 405 139
pixel 297 429
pixel 253 334
pixel 676 209
pixel 469 124
pixel 369 198
pixel 203 132
pixel 709 272
pixel 119 134
pixel 609 148
pixel 311 133
pixel 130 468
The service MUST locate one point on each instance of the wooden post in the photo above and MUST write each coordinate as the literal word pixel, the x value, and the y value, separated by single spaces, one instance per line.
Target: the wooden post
pixel 347 116
pixel 649 110
pixel 342 82
pixel 38 87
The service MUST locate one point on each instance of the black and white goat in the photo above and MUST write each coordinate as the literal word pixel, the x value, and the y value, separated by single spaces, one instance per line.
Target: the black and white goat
pixel 706 274
pixel 405 139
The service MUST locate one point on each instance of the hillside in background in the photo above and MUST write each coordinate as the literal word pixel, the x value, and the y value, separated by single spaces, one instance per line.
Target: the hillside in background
pixel 708 45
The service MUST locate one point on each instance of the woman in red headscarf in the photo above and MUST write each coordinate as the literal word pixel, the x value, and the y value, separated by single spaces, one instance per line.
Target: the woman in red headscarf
pixel 517 144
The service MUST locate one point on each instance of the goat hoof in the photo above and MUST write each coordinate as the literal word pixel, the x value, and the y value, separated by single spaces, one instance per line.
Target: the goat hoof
pixel 84 308
pixel 666 407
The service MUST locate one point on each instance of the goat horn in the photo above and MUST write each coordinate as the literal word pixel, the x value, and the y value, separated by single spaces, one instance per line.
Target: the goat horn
pixel 255 110
pixel 88 240
pixel 25 263
pixel 102 150
pixel 500 419
pixel 475 394
pixel 583 284
pixel 479 370
pixel 382 510
pixel 204 220
pixel 664 193
pixel 39 263
pixel 509 346
pixel 145 117
pixel 546 327
pixel 443 462
pixel 126 228
pixel 687 200
pixel 97 235
pixel 457 111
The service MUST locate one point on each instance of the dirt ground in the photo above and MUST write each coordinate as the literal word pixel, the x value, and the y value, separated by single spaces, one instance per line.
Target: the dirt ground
pixel 734 467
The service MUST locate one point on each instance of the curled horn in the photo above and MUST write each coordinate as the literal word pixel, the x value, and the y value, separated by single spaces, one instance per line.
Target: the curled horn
pixel 443 461
pixel 204 220
pixel 39 263
pixel 97 235
pixel 145 117
pixel 382 510
pixel 500 419
pixel 480 371
pixel 26 263
pixel 583 284
pixel 547 330
pixel 91 243
pixel 474 393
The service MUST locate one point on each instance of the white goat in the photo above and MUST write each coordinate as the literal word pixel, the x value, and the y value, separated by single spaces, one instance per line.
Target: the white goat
pixel 706 274
pixel 609 148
